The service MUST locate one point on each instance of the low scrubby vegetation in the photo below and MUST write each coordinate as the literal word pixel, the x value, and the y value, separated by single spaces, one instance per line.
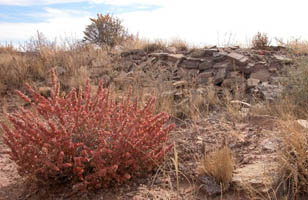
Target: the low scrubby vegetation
pixel 82 139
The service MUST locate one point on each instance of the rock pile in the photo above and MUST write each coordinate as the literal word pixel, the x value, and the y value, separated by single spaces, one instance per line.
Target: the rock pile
pixel 254 71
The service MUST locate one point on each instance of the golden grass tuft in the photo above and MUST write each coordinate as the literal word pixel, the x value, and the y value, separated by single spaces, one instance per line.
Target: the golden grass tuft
pixel 218 164
pixel 293 159
pixel 157 45
pixel 179 44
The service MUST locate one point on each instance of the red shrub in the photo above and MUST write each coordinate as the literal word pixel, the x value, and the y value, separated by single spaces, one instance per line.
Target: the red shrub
pixel 77 138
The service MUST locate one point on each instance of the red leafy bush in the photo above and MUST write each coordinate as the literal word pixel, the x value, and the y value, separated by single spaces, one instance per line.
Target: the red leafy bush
pixel 86 140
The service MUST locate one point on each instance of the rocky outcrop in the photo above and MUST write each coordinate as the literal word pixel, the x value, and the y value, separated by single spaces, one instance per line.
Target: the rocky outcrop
pixel 251 70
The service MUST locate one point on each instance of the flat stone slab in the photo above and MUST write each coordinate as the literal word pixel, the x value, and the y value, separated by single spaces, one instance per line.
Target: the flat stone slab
pixel 262 176
pixel 262 75
pixel 252 82
pixel 239 58
pixel 283 59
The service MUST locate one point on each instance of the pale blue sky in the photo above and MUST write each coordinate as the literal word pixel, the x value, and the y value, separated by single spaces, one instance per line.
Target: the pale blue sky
pixel 196 21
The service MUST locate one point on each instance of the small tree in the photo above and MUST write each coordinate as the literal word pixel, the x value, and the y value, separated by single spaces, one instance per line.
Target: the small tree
pixel 105 30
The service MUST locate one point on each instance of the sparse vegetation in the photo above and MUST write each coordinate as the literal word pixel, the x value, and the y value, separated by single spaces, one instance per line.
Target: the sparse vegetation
pixel 260 41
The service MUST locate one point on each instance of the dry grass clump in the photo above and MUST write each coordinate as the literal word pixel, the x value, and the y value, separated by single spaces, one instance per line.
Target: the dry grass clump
pixel 7 48
pixel 293 159
pixel 179 44
pixel 260 41
pixel 157 45
pixel 218 164
pixel 297 46
pixel 72 59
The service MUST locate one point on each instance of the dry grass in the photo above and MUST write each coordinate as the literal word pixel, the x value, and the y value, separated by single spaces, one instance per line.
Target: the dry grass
pixel 179 44
pixel 7 49
pixel 218 164
pixel 39 56
pixel 294 159
pixel 158 45
pixel 260 41
pixel 297 46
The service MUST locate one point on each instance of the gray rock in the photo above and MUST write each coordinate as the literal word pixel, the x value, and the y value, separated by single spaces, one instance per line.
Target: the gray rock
pixel 234 47
pixel 238 58
pixel 221 65
pixel 229 83
pixel 256 175
pixel 269 144
pixel 205 74
pixel 159 55
pixel 168 57
pixel 283 59
pixel 210 186
pixel 175 57
pixel 204 77
pixel 190 63
pixel 234 83
pixel 303 123
pixel 219 56
pixel 247 69
pixel 210 51
pixel 207 64
pixel 220 76
pixel 138 52
pixel 270 92
pixel 263 75
pixel 252 82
